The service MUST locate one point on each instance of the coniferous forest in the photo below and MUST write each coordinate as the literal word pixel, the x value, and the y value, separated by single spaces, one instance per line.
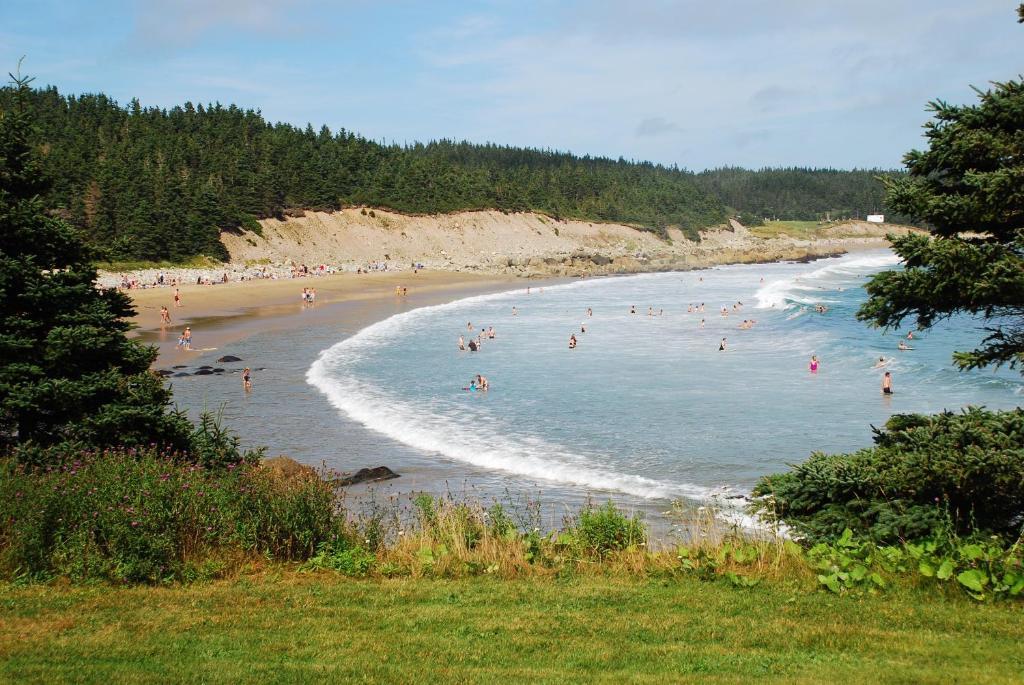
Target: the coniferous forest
pixel 161 184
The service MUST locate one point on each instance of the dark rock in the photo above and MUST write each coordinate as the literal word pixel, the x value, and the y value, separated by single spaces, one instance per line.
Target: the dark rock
pixel 178 366
pixel 219 370
pixel 181 373
pixel 203 372
pixel 205 367
pixel 373 475
pixel 229 358
pixel 164 372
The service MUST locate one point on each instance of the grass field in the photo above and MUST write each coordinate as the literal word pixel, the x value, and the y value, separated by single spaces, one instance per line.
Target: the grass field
pixel 803 230
pixel 290 627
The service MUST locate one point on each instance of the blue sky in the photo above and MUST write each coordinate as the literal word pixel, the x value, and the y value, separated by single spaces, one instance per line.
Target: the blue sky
pixel 698 84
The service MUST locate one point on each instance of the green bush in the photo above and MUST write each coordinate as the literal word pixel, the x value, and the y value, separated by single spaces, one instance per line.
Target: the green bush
pixel 145 516
pixel 596 531
pixel 925 473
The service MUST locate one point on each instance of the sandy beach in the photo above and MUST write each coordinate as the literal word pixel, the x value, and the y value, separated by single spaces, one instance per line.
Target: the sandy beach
pixel 222 314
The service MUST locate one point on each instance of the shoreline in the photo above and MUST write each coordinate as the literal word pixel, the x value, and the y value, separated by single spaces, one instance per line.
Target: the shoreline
pixel 230 312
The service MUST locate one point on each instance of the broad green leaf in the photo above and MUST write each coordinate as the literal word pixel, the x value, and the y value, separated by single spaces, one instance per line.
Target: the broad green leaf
pixel 973 579
pixel 926 569
pixel 945 571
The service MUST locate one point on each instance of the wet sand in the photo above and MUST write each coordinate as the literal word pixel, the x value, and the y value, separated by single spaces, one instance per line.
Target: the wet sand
pixel 222 314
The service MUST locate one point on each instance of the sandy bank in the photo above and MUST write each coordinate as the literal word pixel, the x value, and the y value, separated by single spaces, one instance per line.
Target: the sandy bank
pixel 522 244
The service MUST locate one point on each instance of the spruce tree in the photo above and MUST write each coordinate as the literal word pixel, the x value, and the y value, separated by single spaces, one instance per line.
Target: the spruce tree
pixel 68 373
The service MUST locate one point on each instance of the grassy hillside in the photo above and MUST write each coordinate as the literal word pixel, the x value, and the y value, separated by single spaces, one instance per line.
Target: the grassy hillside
pixel 289 627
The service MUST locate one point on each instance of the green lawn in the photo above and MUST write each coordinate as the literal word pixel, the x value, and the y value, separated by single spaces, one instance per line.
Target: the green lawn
pixel 299 628
pixel 804 230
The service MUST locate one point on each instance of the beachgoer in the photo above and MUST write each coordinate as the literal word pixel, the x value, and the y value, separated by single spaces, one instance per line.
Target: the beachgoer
pixel 473 347
pixel 887 383
pixel 721 345
pixel 590 312
pixel 165 316
pixel 702 323
pixel 187 336
pixel 515 312
pixel 472 385
pixel 462 343
pixel 469 326
pixel 881 363
pixel 491 333
pixel 910 335
pixel 572 341
pixel 177 298
pixel 814 364
pixel 247 379
pixel 902 346
pixel 583 328
pixel 632 309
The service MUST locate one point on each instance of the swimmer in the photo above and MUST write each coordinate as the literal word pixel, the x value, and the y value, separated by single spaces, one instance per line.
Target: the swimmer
pixel 469 326
pixel 887 383
pixel 881 362
pixel 702 323
pixel 583 328
pixel 473 347
pixel 721 345
pixel 462 344
pixel 491 333
pixel 590 312
pixel 572 341
pixel 910 335
pixel 650 311
pixel 814 364
pixel 632 309
pixel 472 385
pixel 689 309
pixel 515 312
pixel 903 346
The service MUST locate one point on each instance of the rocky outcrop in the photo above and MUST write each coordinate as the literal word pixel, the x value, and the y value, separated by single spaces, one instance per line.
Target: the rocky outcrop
pixel 370 475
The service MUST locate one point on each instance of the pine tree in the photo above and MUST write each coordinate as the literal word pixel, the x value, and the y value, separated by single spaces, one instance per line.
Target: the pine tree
pixel 68 373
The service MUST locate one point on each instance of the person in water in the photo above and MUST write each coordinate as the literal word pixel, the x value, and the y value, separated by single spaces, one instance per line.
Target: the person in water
pixel 473 347
pixel 632 310
pixel 462 343
pixel 572 341
pixel 881 363
pixel 721 345
pixel 590 312
pixel 814 364
pixel 887 383
pixel 910 335
pixel 903 346
pixel 247 379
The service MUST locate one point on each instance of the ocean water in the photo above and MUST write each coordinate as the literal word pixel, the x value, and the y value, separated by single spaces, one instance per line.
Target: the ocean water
pixel 645 409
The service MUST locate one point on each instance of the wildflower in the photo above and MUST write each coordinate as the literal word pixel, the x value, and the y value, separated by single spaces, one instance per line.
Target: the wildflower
pixel 135 524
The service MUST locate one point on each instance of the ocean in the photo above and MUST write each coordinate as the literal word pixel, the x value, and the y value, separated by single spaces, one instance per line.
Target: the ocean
pixel 646 409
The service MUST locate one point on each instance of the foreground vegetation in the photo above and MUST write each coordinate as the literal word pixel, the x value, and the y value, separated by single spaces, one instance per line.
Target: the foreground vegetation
pixel 281 626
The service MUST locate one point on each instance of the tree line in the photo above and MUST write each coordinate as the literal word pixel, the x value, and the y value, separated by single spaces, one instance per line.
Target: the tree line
pixel 795 193
pixel 151 183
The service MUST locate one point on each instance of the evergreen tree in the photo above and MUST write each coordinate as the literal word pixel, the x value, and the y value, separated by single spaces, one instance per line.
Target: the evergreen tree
pixel 969 186
pixel 67 371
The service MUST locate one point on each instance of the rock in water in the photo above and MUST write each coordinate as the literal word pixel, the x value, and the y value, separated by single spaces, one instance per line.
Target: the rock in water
pixel 181 373
pixel 229 358
pixel 203 372
pixel 178 366
pixel 366 476
pixel 164 372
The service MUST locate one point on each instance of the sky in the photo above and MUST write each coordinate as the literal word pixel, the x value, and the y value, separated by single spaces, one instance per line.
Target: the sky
pixel 833 83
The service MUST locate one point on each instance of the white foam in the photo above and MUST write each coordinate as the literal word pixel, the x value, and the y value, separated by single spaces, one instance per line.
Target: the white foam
pixel 807 288
pixel 452 436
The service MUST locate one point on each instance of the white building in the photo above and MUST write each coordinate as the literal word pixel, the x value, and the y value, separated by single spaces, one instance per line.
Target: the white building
pixel 876 218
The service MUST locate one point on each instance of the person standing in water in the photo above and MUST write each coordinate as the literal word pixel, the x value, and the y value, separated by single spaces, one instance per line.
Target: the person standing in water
pixel 721 345
pixel 887 383
pixel 572 341
pixel 247 379
pixel 814 364
pixel 462 343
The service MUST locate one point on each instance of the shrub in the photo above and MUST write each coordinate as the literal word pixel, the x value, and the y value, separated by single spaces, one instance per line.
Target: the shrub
pixel 145 516
pixel 596 531
pixel 966 468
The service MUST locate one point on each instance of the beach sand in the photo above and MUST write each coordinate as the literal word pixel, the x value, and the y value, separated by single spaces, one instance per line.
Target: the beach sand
pixel 225 313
